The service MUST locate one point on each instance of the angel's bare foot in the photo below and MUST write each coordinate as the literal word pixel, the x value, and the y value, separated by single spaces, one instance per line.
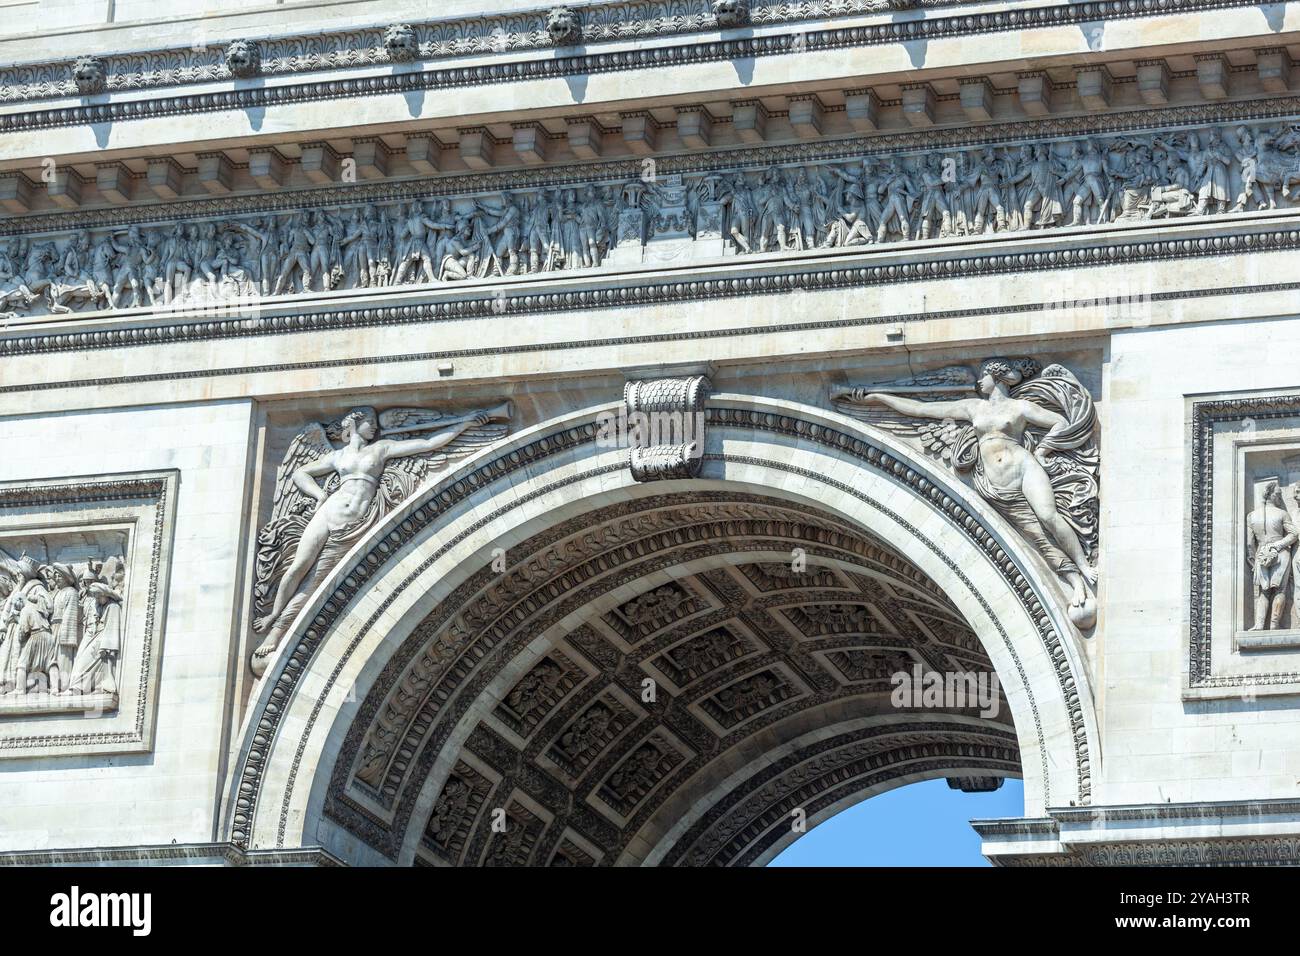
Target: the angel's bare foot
pixel 262 655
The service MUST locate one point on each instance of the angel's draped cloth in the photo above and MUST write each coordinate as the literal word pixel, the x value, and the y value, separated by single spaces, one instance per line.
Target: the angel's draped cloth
pixel 1070 471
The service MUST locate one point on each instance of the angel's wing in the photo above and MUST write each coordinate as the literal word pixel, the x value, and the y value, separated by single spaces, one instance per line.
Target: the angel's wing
pixel 403 475
pixel 949 441
pixel 309 445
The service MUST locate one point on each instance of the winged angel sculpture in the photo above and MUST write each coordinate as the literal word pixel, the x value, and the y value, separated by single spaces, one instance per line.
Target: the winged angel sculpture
pixel 327 497
pixel 1027 440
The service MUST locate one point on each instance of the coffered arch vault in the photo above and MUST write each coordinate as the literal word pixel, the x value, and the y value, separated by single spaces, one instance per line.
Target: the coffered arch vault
pixel 427 684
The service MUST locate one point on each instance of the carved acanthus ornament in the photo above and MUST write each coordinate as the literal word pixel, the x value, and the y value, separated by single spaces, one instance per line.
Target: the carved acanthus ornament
pixel 328 497
pixel 1025 436
pixel 523 32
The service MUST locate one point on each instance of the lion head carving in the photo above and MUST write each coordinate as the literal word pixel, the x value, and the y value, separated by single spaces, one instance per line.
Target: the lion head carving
pixel 399 40
pixel 243 58
pixel 562 24
pixel 730 13
pixel 89 74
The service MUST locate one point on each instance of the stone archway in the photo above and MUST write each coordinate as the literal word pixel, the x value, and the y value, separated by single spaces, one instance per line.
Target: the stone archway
pixel 424 686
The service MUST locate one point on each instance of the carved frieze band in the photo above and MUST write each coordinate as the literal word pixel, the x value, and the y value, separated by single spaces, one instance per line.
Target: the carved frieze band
pixel 233 263
pixel 520 34
pixel 1236 851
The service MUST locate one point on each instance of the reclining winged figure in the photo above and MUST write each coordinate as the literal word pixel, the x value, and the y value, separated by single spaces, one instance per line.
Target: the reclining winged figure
pixel 1027 439
pixel 328 497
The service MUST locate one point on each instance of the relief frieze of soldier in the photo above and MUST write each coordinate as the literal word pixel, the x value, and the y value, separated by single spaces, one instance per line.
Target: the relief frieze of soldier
pixel 867 202
pixel 61 624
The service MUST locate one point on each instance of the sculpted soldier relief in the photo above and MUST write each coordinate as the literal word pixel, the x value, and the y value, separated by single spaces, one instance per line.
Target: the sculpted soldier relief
pixel 875 200
pixel 1027 440
pixel 62 614
pixel 1269 538
pixel 1270 541
pixel 336 482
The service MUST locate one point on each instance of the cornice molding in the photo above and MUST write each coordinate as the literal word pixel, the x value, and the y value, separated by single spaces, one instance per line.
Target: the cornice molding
pixel 171 854
pixel 149 70
pixel 615 172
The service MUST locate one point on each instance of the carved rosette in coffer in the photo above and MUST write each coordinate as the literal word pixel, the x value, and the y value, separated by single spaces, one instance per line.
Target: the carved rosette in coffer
pixel 665 426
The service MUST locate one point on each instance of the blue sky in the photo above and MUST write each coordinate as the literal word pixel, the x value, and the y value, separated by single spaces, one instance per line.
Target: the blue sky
pixel 923 824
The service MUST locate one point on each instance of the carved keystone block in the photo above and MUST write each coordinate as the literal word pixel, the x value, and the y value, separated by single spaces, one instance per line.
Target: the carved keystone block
pixel 15 192
pixel 918 104
pixel 475 147
pixel 585 138
pixel 531 143
pixel 977 98
pixel 164 178
pixel 640 133
pixel 216 174
pixel 749 119
pixel 320 164
pixel 1274 68
pixel 665 426
pixel 1153 82
pixel 371 157
pixel 424 153
pixel 115 183
pixel 694 127
pixel 267 168
pixel 1212 73
pixel 1035 90
pixel 1093 84
pixel 862 109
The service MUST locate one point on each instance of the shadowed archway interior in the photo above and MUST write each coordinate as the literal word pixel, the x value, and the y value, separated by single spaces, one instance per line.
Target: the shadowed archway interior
pixel 672 680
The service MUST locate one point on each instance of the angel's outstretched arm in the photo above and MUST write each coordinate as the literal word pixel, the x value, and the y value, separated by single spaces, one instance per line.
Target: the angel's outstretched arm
pixel 305 477
pixel 422 446
pixel 959 409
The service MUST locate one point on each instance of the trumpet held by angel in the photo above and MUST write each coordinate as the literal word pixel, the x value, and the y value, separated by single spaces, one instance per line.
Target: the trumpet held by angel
pixel 1027 438
pixel 336 482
